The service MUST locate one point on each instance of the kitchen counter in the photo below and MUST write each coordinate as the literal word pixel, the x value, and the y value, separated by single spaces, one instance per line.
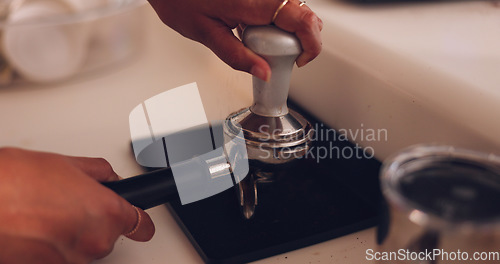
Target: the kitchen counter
pixel 423 72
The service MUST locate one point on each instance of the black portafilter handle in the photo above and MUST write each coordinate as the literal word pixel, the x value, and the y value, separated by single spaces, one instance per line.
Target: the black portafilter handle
pixel 147 190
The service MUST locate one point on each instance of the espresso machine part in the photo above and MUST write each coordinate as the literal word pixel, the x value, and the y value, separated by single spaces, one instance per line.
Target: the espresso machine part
pixel 211 171
pixel 274 134
pixel 441 199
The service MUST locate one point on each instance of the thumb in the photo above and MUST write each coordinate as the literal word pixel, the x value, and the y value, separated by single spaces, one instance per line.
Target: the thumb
pixel 97 168
pixel 138 225
pixel 231 50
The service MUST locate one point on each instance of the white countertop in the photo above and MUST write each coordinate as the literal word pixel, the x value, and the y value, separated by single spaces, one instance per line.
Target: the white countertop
pixel 425 72
pixel 384 67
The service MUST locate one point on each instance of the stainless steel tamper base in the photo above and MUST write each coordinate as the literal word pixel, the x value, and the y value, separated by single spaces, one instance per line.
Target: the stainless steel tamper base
pixel 274 134
pixel 271 140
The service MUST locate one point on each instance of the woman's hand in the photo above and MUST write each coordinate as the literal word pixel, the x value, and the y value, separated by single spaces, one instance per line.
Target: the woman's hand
pixel 54 210
pixel 211 23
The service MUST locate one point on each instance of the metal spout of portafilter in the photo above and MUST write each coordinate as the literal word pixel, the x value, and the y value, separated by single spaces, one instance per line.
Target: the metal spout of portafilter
pixel 274 134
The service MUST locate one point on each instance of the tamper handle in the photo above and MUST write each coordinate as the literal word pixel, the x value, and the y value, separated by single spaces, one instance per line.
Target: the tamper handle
pixel 280 49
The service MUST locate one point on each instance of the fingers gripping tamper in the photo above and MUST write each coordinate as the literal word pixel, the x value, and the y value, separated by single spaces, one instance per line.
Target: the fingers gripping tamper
pixel 274 134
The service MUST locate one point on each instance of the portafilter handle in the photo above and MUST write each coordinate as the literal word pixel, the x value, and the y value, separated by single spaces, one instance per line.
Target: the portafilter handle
pixel 280 49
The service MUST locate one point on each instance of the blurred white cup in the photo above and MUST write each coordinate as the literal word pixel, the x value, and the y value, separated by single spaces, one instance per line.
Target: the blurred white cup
pixel 42 49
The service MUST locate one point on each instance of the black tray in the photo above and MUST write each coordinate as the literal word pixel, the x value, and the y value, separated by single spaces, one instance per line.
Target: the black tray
pixel 313 202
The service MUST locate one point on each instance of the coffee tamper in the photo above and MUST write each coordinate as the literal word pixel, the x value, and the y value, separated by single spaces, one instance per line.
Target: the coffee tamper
pixel 274 134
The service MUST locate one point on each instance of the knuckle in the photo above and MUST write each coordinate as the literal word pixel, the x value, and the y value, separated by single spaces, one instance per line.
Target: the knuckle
pixel 315 50
pixel 109 215
pixel 205 38
pixel 309 29
pixel 100 248
pixel 44 250
pixel 113 209
pixel 12 157
pixel 104 169
pixel 11 151
pixel 309 20
pixel 234 60
pixel 103 164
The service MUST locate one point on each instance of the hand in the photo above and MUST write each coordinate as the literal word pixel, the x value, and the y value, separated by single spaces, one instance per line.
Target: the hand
pixel 54 210
pixel 211 23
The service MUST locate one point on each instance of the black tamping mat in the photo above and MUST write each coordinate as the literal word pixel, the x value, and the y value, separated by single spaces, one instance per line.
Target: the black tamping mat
pixel 315 200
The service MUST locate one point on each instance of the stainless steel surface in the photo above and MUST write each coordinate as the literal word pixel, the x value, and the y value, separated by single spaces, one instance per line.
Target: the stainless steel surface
pixel 248 191
pixel 279 49
pixel 442 199
pixel 273 133
pixel 272 140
